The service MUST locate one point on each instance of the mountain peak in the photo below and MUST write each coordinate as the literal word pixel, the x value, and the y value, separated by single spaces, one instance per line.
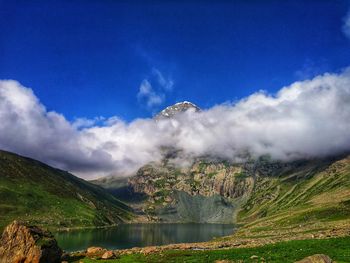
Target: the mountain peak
pixel 172 110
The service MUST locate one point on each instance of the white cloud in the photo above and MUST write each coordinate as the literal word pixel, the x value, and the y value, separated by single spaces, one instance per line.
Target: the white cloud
pixel 80 123
pixel 346 25
pixel 154 94
pixel 306 119
pixel 151 97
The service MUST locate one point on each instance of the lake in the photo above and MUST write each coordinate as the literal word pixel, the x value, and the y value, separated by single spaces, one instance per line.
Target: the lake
pixel 140 235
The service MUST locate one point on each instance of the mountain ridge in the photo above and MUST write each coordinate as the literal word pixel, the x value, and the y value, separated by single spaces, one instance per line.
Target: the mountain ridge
pixel 47 196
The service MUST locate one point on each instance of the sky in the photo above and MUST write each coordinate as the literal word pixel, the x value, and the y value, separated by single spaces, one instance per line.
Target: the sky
pixel 89 58
pixel 80 80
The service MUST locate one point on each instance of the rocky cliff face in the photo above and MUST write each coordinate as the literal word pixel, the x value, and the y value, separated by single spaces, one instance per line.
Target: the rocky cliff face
pixel 175 194
pixel 215 191
pixel 202 178
pixel 28 244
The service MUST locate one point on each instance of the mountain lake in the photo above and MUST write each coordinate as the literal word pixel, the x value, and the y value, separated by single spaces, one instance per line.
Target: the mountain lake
pixel 140 235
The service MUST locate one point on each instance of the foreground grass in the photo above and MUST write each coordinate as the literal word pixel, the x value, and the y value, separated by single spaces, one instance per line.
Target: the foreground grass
pixel 337 248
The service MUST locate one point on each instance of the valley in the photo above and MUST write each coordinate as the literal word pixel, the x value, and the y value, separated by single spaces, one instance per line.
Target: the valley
pixel 268 201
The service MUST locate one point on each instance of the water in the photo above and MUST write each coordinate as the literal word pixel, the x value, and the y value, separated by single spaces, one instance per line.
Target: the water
pixel 140 235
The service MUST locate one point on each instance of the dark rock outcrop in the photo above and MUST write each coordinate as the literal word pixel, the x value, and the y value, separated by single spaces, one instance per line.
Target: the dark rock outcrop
pixel 21 243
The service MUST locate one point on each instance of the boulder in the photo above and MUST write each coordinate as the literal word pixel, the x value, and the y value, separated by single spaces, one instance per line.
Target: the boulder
pixel 108 255
pixel 318 258
pixel 95 252
pixel 21 243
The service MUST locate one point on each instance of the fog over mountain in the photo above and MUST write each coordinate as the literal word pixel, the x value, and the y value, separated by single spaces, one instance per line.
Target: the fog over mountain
pixel 307 119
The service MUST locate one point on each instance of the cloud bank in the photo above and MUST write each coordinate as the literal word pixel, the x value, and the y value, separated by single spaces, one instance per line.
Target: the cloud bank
pixel 307 119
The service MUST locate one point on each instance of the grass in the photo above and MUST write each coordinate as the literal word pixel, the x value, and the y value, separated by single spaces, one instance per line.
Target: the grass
pixel 202 166
pixel 322 197
pixel 211 175
pixel 160 183
pixel 41 207
pixel 241 175
pixel 41 195
pixel 284 252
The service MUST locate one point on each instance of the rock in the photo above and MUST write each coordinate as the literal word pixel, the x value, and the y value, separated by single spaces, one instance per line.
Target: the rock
pixel 318 258
pixel 21 243
pixel 149 250
pixel 65 257
pixel 76 254
pixel 95 252
pixel 108 255
pixel 175 109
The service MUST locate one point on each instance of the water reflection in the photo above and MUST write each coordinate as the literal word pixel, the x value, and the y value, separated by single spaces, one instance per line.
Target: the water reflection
pixel 139 235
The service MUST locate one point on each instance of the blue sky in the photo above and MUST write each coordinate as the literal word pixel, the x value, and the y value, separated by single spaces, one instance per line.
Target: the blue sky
pixel 89 58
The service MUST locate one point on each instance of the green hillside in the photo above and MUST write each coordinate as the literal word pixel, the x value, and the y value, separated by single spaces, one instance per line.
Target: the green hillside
pixel 34 192
pixel 310 198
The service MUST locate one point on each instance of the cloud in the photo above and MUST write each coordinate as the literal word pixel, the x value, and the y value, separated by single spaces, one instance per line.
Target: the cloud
pixel 166 84
pixel 346 25
pixel 80 123
pixel 29 129
pixel 304 120
pixel 151 96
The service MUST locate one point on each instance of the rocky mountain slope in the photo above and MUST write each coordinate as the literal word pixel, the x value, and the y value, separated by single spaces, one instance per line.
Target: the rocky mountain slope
pixel 216 191
pixel 222 192
pixel 39 194
pixel 172 110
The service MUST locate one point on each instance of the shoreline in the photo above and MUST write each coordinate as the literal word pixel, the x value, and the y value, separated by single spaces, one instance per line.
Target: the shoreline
pixel 68 229
pixel 208 248
pixel 237 240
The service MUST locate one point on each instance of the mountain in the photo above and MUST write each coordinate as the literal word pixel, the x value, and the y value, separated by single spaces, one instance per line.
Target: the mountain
pixel 172 110
pixel 39 194
pixel 221 192
pixel 262 194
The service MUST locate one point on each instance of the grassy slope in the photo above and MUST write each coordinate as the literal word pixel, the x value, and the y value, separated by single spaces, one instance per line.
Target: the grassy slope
pixel 313 198
pixel 284 252
pixel 45 196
